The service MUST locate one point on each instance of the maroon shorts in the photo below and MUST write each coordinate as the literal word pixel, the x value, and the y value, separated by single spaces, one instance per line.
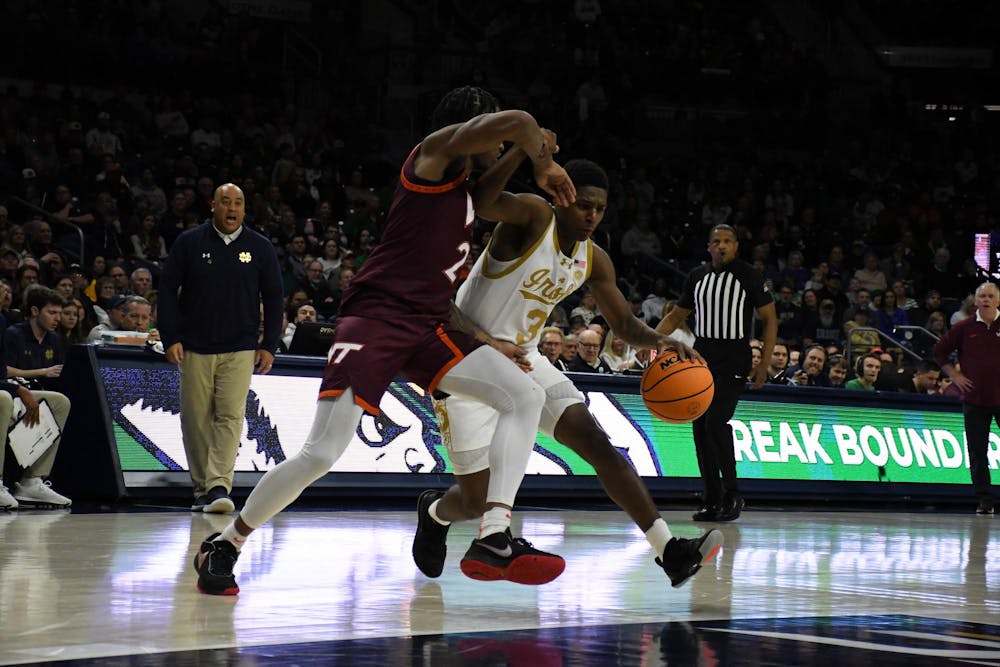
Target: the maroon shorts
pixel 366 354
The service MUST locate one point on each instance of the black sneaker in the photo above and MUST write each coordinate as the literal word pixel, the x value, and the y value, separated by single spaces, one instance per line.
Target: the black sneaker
pixel 429 543
pixel 214 563
pixel 217 501
pixel 501 556
pixel 199 503
pixel 682 558
pixel 732 507
pixel 985 506
pixel 707 513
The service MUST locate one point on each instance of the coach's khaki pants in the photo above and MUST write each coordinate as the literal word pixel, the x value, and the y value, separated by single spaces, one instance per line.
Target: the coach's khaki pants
pixel 213 407
pixel 59 405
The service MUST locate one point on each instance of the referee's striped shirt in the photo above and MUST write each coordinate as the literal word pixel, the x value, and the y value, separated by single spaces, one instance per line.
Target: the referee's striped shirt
pixel 724 300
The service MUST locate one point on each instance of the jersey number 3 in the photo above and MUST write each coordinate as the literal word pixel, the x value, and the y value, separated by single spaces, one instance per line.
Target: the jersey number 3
pixel 452 271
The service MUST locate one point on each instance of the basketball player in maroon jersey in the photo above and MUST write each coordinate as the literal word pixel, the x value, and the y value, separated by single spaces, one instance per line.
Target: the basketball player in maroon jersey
pixel 395 317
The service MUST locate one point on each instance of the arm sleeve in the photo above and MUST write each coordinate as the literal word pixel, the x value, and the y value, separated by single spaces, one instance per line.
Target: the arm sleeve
pixel 761 294
pixel 945 346
pixel 686 299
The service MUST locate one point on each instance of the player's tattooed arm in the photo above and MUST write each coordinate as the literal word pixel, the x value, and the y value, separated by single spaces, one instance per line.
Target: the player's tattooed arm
pixel 467 325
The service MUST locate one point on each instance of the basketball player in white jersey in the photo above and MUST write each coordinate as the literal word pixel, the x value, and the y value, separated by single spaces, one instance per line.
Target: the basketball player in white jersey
pixel 538 256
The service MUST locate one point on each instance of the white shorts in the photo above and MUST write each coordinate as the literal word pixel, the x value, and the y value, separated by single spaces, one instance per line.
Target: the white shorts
pixel 467 426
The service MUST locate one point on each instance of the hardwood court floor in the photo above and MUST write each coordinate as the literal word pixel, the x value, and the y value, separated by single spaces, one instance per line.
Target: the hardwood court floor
pixel 322 587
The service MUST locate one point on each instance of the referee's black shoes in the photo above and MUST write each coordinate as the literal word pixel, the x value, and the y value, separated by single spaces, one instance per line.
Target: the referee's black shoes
pixel 709 512
pixel 732 507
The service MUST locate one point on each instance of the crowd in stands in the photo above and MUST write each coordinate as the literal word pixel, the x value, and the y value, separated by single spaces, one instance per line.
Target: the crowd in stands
pixel 865 240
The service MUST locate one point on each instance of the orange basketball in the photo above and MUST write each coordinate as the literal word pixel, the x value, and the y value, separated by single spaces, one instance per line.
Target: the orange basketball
pixel 677 391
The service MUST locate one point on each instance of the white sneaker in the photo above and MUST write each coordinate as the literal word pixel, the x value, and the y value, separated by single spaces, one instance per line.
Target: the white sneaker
pixel 33 491
pixel 7 501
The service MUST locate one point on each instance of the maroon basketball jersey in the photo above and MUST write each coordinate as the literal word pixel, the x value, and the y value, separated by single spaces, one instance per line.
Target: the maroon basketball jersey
pixel 425 242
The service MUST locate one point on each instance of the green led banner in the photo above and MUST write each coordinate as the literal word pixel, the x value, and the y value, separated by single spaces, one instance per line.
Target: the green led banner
pixel 775 439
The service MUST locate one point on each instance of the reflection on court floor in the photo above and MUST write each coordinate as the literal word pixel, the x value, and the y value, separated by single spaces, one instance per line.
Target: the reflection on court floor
pixel 340 588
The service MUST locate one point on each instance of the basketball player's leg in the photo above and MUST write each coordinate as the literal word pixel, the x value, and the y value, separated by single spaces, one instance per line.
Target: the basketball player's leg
pixel 487 376
pixel 333 427
pixel 354 378
pixel 466 428
pixel 566 418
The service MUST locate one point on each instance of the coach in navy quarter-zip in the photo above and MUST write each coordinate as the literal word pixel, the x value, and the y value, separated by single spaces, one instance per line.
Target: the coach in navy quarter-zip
pixel 211 291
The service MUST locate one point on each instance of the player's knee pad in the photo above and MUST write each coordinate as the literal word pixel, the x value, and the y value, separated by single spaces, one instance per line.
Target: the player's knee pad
pixel 558 398
pixel 469 461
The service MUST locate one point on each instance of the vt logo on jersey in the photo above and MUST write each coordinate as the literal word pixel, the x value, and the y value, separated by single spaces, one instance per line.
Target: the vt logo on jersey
pixel 340 350
pixel 539 286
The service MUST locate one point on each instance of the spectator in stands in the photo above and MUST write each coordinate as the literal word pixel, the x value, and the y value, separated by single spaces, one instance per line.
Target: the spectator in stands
pixel 859 336
pixel 571 344
pixel 924 379
pixel 640 239
pixel 138 316
pixel 331 257
pixel 294 317
pixel 588 359
pixel 116 314
pixel 617 354
pixel 551 346
pixel 811 371
pixel 837 371
pixel 172 222
pixel 932 302
pixel 824 327
pixel 148 188
pixel 943 276
pixel 890 316
pixel 652 306
pixel 897 266
pixel 147 243
pixel 71 323
pixel 587 308
pixel 140 282
pixel 903 298
pixel 778 364
pixel 790 322
pixel 867 369
pixel 100 139
pixel 795 270
pixel 870 276
pixel 120 278
pixel 319 291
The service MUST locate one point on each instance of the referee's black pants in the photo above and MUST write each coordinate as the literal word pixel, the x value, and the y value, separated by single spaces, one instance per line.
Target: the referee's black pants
pixel 730 363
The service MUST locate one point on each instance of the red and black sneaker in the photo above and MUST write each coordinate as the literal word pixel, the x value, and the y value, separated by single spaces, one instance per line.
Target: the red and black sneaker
pixel 501 556
pixel 214 563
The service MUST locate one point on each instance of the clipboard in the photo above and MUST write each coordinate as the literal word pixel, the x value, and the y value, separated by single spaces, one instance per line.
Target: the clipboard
pixel 29 443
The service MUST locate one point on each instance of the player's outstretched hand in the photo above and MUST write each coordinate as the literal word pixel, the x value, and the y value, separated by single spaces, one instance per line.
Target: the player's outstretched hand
pixel 555 181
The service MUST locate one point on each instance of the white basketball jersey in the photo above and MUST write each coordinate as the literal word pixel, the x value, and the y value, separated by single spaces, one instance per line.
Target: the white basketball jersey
pixel 512 300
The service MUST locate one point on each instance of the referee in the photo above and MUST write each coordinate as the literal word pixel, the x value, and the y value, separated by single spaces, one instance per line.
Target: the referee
pixel 723 296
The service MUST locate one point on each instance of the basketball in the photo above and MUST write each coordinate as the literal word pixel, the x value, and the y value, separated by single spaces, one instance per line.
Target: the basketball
pixel 675 390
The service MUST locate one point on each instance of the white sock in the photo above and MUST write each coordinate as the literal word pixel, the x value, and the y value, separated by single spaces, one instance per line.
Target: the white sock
pixel 658 535
pixel 495 520
pixel 432 510
pixel 233 536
